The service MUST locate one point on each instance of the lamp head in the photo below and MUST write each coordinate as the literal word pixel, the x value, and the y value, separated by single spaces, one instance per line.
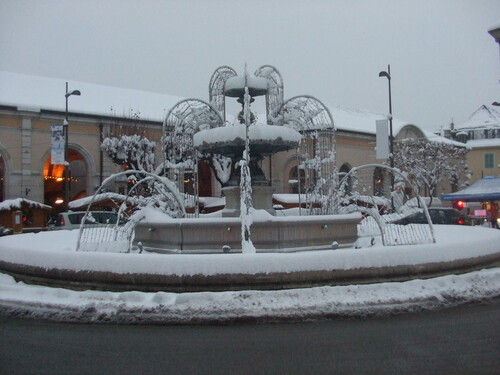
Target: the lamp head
pixel 384 74
pixel 74 92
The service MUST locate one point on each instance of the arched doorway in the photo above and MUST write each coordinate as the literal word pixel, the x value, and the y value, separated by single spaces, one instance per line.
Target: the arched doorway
pixel 296 180
pixel 54 181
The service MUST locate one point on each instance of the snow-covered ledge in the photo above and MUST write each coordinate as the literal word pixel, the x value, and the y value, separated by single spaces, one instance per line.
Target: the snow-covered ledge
pixel 268 233
pixel 49 258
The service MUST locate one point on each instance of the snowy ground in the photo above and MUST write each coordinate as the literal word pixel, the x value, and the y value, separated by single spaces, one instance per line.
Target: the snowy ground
pixel 453 242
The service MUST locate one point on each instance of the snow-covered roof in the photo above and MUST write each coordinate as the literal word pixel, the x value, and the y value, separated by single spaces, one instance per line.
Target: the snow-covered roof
pixel 35 93
pixel 99 198
pixel 351 119
pixel 438 138
pixel 15 204
pixel 485 189
pixel 209 202
pixel 357 120
pixel 483 143
pixel 484 117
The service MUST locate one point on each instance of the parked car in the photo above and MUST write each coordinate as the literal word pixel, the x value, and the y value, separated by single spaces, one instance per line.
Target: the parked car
pixel 72 219
pixel 5 231
pixel 439 215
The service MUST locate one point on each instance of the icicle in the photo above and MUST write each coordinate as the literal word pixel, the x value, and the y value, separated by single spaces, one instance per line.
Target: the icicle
pixel 246 208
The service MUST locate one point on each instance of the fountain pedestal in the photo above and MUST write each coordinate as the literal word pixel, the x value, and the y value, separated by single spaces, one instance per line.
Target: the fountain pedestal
pixel 262 198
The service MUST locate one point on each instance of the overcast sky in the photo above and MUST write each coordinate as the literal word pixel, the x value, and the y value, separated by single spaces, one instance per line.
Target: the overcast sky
pixel 444 64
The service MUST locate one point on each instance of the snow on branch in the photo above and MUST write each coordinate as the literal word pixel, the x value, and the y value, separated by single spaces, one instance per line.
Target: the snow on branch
pixel 429 163
pixel 133 151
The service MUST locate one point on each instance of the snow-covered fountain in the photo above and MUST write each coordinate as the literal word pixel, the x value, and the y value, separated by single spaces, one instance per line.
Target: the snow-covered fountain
pixel 159 216
pixel 263 141
pixel 194 129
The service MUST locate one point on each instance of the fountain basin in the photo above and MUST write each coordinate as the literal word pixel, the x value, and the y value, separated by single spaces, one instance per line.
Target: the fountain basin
pixel 235 86
pixel 230 140
pixel 268 233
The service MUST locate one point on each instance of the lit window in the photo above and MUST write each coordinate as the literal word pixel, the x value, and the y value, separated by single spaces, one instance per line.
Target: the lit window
pixel 488 161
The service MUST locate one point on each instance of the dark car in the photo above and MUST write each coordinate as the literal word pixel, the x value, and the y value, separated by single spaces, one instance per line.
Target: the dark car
pixel 5 231
pixel 72 219
pixel 439 215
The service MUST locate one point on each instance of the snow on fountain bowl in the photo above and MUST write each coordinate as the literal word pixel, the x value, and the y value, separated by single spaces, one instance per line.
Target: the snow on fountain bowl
pixel 230 140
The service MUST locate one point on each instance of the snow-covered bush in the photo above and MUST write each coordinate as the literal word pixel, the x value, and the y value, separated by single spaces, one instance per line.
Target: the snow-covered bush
pixel 131 151
pixel 428 163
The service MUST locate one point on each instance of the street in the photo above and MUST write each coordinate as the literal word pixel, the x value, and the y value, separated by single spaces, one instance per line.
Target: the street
pixel 461 340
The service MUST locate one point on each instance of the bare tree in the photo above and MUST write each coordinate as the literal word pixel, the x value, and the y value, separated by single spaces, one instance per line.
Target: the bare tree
pixel 428 163
pixel 131 151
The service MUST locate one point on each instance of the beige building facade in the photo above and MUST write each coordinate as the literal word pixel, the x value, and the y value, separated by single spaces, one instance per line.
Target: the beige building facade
pixel 481 133
pixel 25 154
pixel 25 139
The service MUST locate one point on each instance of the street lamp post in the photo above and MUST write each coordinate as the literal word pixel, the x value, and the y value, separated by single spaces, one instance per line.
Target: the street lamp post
pixel 66 136
pixel 391 138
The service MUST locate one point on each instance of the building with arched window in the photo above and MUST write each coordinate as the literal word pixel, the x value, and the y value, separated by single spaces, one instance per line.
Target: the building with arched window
pixel 30 105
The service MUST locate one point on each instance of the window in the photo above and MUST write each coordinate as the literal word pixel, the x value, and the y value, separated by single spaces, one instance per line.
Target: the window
pixel 378 181
pixel 488 161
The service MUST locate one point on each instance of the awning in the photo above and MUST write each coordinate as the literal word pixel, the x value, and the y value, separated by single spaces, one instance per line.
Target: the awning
pixel 485 189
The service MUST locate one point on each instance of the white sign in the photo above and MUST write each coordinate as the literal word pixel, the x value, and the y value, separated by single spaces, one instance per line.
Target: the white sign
pixel 57 145
pixel 382 139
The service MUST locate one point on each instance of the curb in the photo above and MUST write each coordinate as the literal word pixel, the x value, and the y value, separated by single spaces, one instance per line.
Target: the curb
pixel 117 282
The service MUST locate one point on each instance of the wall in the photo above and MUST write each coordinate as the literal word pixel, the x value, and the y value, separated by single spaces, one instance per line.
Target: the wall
pixel 475 161
pixel 25 146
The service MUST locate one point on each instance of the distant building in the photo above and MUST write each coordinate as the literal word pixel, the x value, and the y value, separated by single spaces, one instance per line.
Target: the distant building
pixel 481 133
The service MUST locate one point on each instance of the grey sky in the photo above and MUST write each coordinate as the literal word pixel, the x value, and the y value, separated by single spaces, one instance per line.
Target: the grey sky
pixel 444 64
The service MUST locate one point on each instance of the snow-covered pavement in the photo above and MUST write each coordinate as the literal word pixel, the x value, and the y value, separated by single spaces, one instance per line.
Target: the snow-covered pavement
pixel 207 307
pixel 453 242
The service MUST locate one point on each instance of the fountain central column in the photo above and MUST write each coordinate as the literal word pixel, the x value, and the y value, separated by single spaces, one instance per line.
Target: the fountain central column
pixel 231 140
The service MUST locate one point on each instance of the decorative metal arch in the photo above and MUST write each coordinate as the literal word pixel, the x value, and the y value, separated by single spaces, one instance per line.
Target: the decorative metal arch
pixel 274 96
pixel 216 88
pixel 391 234
pixel 102 240
pixel 310 117
pixel 306 113
pixel 182 121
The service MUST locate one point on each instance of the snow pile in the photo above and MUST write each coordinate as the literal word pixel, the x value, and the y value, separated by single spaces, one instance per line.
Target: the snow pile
pixel 57 249
pixel 207 307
